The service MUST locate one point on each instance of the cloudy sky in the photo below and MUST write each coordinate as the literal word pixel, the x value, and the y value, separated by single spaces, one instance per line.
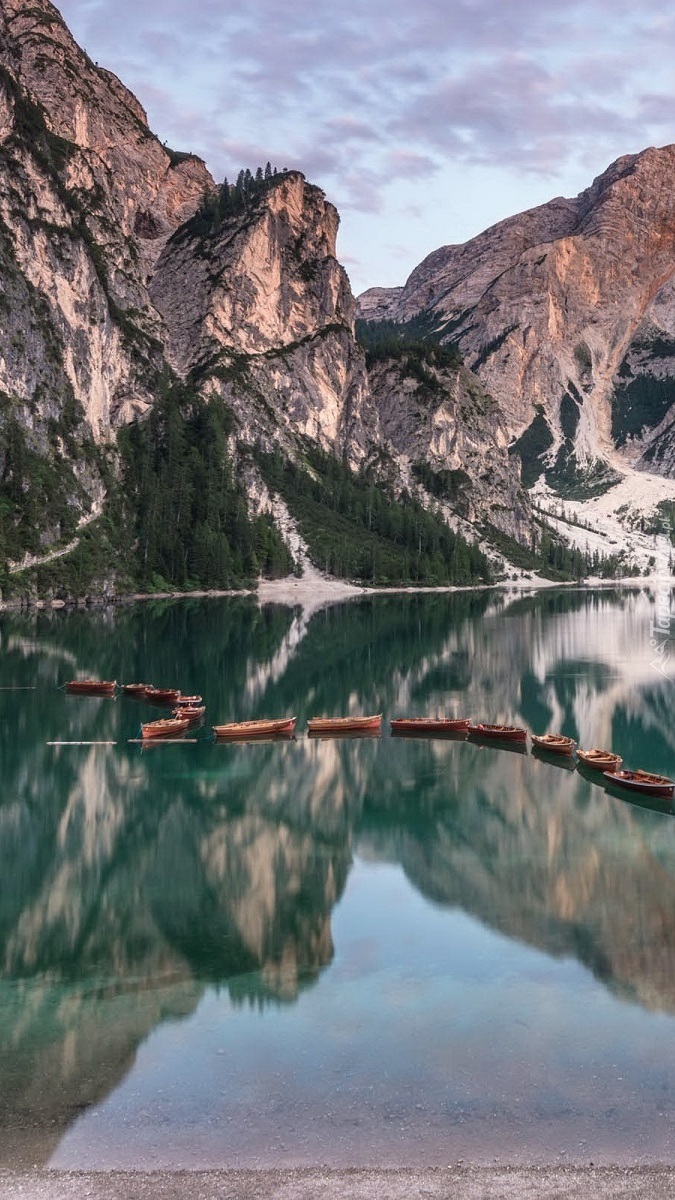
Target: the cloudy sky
pixel 425 121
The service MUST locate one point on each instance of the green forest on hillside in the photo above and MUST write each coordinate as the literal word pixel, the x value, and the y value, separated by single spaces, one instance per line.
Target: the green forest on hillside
pixel 355 529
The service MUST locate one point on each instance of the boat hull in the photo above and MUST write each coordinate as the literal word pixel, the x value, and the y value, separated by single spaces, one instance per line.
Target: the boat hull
pixel 187 712
pixel 634 783
pixel 428 725
pixel 338 725
pixel 169 728
pixel 248 730
pixel 553 745
pixel 91 687
pixel 499 733
pixel 164 696
pixel 597 762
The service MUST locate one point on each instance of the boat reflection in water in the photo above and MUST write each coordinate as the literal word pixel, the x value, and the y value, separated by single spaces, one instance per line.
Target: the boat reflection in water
pixel 564 761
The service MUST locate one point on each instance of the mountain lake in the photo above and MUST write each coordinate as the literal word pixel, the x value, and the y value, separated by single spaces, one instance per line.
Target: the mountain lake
pixel 353 951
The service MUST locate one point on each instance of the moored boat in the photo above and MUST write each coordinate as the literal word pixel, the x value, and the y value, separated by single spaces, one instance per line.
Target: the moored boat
pixel 189 712
pixel 556 743
pixel 643 781
pixel 168 696
pixel 92 687
pixel 137 690
pixel 165 727
pixel 344 724
pixel 599 760
pixel 277 727
pixel 429 725
pixel 506 733
pixel 188 701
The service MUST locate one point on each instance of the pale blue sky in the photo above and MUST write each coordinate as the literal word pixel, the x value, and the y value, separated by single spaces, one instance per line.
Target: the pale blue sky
pixel 424 121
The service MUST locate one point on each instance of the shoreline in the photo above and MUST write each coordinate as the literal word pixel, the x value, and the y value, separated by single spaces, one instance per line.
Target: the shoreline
pixel 316 591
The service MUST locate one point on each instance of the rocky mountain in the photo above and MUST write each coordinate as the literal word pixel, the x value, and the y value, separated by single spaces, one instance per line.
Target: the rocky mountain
pixel 123 265
pixel 566 314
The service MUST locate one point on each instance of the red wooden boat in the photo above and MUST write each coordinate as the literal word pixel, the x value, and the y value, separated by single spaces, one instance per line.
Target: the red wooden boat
pixel 169 696
pixel 557 743
pixel 91 687
pixel 644 782
pixel 599 760
pixel 277 727
pixel 190 712
pixel 505 733
pixel 166 727
pixel 429 725
pixel 344 724
pixel 136 690
pixel 188 701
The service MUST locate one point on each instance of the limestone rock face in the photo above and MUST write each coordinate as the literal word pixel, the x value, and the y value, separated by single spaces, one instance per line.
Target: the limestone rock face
pixel 261 309
pixel 88 197
pixel 566 310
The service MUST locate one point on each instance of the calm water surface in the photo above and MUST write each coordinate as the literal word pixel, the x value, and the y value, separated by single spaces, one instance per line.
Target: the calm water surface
pixel 373 951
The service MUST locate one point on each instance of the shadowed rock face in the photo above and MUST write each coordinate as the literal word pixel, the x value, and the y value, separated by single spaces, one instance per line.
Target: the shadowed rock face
pixel 567 306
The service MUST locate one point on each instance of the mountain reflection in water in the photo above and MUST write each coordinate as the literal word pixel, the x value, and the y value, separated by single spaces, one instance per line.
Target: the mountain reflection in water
pixel 134 884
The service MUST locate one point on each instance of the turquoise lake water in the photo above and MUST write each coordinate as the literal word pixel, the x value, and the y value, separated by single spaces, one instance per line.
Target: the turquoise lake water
pixel 371 951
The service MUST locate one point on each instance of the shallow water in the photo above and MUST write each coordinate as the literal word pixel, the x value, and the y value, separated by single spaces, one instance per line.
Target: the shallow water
pixel 371 951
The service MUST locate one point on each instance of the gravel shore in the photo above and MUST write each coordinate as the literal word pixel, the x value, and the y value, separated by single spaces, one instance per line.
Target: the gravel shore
pixel 457 1183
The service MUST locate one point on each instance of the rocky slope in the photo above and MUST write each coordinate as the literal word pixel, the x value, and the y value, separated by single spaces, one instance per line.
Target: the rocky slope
pixel 566 314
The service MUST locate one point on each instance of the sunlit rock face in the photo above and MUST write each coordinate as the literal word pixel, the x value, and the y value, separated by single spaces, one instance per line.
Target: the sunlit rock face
pixel 263 311
pixel 568 307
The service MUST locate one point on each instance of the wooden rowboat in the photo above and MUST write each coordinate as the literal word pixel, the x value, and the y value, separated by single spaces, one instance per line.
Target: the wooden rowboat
pixel 644 782
pixel 166 727
pixel 506 733
pixel 91 687
pixel 599 760
pixel 557 743
pixel 429 725
pixel 168 696
pixel 189 712
pixel 344 724
pixel 279 727
pixel 137 690
pixel 188 701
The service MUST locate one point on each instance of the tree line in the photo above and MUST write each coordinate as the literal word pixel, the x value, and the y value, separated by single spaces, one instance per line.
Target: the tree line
pixel 232 199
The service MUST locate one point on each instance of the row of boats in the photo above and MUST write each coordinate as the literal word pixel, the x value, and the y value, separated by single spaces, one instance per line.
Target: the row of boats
pixel 188 711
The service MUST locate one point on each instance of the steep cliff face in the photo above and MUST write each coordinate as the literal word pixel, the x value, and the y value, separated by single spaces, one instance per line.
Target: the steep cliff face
pixel 565 312
pixel 88 197
pixel 260 311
